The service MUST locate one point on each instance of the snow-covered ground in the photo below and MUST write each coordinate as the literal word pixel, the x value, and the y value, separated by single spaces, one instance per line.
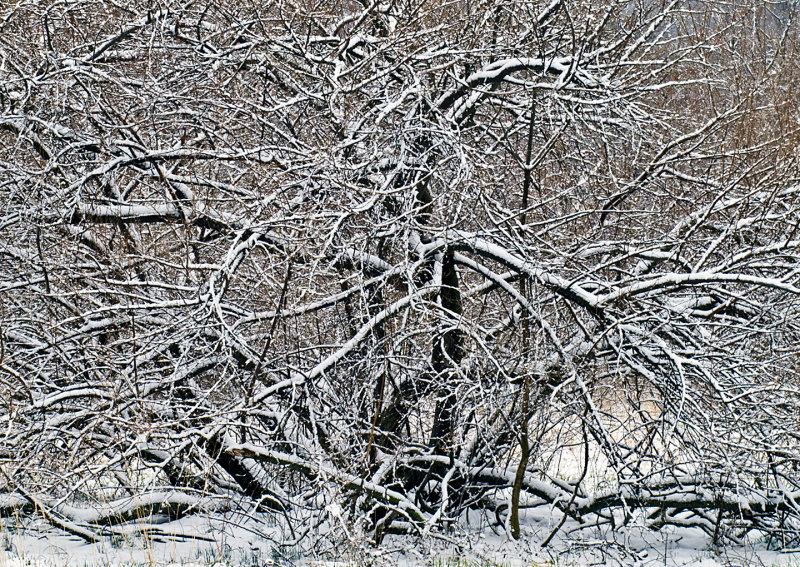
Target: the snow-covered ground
pixel 218 543
pixel 191 542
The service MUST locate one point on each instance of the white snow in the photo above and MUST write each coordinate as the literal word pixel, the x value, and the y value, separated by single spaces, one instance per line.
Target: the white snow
pixel 218 543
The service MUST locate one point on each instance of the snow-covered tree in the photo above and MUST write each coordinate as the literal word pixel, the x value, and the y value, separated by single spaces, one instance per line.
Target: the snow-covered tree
pixel 412 257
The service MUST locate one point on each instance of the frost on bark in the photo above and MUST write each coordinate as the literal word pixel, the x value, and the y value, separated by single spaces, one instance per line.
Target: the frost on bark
pixel 281 256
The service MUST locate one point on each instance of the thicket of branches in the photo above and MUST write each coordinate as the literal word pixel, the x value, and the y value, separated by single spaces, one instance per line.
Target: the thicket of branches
pixel 385 262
